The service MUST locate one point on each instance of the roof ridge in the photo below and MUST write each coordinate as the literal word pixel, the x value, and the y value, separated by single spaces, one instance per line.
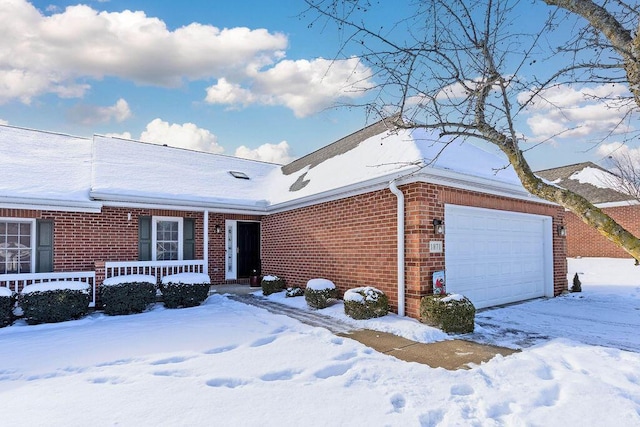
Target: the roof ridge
pixel 340 146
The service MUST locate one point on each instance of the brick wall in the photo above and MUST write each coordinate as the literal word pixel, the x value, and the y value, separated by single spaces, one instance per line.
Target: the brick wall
pixel 353 241
pixel 585 241
pixel 81 239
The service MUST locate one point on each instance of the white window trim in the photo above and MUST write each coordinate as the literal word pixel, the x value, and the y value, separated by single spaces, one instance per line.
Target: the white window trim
pixel 33 237
pixel 154 232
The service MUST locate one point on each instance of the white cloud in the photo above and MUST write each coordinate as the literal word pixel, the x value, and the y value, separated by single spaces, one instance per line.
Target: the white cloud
pixel 227 93
pixel 57 53
pixel 273 153
pixel 3 122
pixel 91 114
pixel 187 135
pixel 303 86
pixel 620 150
pixel 567 112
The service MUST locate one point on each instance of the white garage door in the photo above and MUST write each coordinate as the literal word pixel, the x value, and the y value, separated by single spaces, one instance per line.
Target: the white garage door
pixel 496 257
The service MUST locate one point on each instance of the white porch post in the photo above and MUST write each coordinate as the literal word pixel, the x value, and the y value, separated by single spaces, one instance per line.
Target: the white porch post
pixel 205 242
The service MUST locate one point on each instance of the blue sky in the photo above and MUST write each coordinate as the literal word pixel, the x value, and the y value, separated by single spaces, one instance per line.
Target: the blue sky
pixel 243 78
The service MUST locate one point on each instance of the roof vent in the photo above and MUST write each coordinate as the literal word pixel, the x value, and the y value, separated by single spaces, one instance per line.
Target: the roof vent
pixel 239 175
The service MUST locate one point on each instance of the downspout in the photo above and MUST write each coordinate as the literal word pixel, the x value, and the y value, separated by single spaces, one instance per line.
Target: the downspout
pixel 400 212
pixel 205 242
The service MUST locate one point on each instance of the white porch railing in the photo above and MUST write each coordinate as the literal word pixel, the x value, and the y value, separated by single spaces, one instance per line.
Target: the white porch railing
pixel 17 282
pixel 158 269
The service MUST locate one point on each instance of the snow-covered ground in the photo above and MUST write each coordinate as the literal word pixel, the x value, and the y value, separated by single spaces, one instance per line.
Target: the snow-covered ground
pixel 226 363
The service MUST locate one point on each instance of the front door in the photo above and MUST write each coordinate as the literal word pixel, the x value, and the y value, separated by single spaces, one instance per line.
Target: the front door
pixel 248 248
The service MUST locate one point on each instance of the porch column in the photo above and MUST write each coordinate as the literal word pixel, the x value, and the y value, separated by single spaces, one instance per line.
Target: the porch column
pixel 205 241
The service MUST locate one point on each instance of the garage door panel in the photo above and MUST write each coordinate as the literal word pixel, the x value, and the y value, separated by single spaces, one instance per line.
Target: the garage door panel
pixel 494 257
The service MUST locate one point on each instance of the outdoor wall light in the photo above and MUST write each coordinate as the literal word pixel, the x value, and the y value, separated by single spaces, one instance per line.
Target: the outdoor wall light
pixel 217 228
pixel 438 226
pixel 562 231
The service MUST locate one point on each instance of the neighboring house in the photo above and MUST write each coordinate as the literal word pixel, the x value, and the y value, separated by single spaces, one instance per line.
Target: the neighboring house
pixel 598 186
pixel 380 208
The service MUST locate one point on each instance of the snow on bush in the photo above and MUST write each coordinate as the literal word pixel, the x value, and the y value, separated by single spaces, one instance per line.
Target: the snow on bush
pixel 320 292
pixel 187 278
pixel 320 284
pixel 56 286
pixel 129 278
pixel 5 292
pixel 365 303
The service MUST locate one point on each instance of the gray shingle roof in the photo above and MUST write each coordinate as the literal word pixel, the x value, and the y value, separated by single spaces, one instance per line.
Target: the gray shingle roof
pixel 340 146
pixel 561 176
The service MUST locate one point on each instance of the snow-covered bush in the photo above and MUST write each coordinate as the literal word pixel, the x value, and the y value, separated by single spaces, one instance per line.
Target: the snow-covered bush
pixel 185 289
pixel 320 292
pixel 271 285
pixel 53 302
pixel 293 292
pixel 452 313
pixel 127 294
pixel 365 303
pixel 7 300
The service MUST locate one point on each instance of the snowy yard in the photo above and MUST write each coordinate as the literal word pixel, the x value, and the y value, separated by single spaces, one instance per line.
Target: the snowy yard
pixel 226 363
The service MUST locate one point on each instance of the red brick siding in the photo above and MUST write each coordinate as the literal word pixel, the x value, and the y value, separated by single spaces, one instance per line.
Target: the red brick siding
pixel 81 239
pixel 352 241
pixel 585 241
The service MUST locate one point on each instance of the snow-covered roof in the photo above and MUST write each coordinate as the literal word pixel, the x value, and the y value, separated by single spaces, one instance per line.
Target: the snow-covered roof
pixel 131 171
pixel 591 181
pixel 103 170
pixel 45 169
pixel 386 156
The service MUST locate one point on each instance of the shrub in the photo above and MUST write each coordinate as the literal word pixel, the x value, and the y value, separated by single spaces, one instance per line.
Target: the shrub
pixel 365 303
pixel 54 302
pixel 577 284
pixel 271 285
pixel 452 313
pixel 185 289
pixel 7 300
pixel 294 292
pixel 127 294
pixel 319 293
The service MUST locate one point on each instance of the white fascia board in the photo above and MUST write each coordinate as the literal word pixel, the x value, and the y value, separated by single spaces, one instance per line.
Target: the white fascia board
pixel 50 205
pixel 181 206
pixel 477 184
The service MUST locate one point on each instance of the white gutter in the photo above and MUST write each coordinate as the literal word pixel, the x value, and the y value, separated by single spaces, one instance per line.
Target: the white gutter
pixel 400 212
pixel 50 204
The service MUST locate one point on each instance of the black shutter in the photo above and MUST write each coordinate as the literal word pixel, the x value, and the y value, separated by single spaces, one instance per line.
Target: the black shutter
pixel 44 246
pixel 144 238
pixel 189 238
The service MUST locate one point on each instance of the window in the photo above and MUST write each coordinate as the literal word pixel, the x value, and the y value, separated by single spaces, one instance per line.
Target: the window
pixel 167 238
pixel 17 241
